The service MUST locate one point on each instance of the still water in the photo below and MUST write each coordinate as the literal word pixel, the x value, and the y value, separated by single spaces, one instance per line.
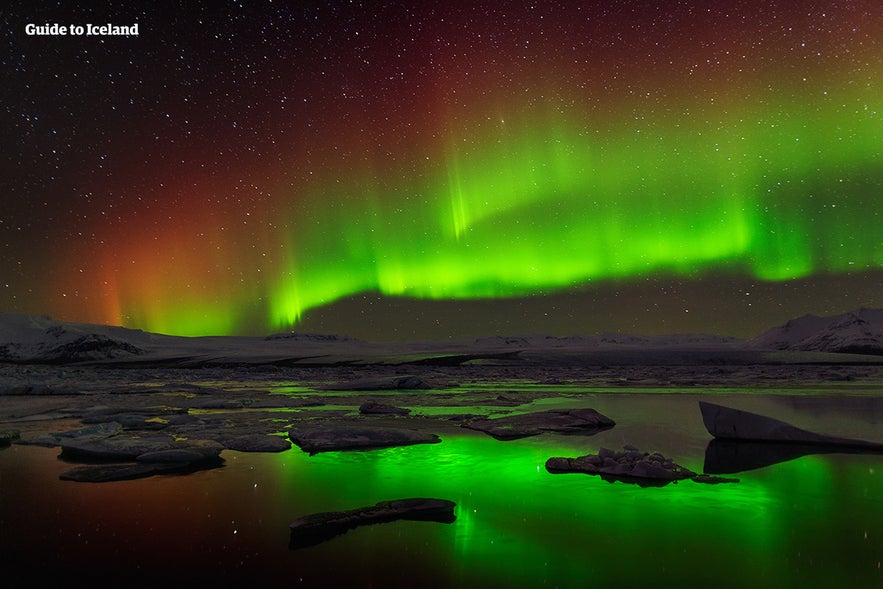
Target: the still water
pixel 815 521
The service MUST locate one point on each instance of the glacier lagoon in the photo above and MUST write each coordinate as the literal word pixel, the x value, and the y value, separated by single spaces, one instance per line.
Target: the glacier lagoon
pixel 812 521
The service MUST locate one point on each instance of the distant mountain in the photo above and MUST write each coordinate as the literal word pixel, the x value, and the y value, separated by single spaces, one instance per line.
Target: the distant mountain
pixel 856 332
pixel 535 341
pixel 41 339
pixel 673 340
pixel 606 340
pixel 311 337
pixel 33 339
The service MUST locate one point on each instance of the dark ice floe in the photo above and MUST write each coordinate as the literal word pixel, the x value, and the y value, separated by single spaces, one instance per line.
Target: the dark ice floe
pixel 746 441
pixel 375 408
pixel 315 528
pixel 327 438
pixel 734 424
pixel 566 421
pixel 631 466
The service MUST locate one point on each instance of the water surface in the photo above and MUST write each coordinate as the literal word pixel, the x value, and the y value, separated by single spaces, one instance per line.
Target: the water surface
pixel 816 521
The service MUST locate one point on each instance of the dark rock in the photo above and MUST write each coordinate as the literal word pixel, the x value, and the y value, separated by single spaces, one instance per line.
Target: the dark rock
pixel 567 421
pixel 327 438
pixel 735 424
pixel 370 407
pixel 93 346
pixel 257 443
pixel 630 466
pixel 8 436
pixel 606 453
pixel 319 527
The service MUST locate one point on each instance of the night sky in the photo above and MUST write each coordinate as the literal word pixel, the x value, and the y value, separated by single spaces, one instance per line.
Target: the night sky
pixel 401 170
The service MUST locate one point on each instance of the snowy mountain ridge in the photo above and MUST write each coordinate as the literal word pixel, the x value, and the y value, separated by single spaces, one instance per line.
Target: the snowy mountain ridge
pixel 855 332
pixel 40 339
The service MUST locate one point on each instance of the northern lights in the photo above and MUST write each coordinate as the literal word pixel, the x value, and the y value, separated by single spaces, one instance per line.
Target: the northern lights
pixel 540 210
pixel 241 169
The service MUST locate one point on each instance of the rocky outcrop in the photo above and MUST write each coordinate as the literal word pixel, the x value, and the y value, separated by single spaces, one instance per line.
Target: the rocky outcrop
pixel 734 424
pixel 630 465
pixel 567 421
pixel 319 527
pixel 328 438
pixel 92 346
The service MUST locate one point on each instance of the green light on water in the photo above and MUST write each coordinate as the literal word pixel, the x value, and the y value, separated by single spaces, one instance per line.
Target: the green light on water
pixel 518 525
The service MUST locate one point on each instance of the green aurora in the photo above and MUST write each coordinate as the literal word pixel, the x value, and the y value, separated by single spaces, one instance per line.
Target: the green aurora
pixel 379 160
pixel 544 203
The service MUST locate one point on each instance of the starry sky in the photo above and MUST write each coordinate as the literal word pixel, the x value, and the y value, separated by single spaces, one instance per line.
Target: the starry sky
pixel 425 170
